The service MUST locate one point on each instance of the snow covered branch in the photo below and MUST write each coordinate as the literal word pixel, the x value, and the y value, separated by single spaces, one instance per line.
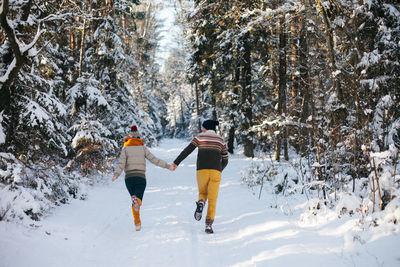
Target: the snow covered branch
pixel 2 135
pixel 9 31
pixel 21 53
pixel 10 68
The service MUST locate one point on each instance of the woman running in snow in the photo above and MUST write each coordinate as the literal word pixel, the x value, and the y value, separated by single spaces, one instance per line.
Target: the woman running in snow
pixel 133 161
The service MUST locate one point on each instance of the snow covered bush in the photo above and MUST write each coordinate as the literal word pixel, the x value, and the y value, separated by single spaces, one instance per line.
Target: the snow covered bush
pixel 316 211
pixel 28 190
pixel 347 204
pixel 392 212
pixel 278 178
pixel 324 201
pixel 91 146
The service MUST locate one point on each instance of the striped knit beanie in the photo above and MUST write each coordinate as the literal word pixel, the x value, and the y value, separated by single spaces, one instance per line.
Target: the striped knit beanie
pixel 210 124
pixel 134 133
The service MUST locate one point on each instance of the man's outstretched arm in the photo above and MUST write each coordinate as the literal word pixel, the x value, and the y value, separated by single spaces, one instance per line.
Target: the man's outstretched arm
pixel 186 152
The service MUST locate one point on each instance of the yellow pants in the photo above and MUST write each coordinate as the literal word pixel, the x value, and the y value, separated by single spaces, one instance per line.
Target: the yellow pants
pixel 208 182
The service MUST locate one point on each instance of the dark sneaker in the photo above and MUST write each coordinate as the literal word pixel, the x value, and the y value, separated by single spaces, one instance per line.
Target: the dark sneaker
pixel 199 210
pixel 209 229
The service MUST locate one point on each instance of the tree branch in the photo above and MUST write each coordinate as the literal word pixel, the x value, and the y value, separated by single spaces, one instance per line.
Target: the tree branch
pixel 21 54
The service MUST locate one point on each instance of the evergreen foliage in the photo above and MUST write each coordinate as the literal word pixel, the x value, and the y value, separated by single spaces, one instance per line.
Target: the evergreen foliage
pixel 321 77
pixel 74 76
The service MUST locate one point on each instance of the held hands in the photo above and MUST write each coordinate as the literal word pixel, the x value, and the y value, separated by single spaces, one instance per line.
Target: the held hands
pixel 173 167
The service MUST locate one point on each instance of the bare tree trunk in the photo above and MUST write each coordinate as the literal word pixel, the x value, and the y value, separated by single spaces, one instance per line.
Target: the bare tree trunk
pixel 196 89
pixel 319 167
pixel 231 134
pixel 304 84
pixel 282 109
pixel 72 40
pixel 285 144
pixel 329 39
pixel 303 69
pixel 82 50
pixel 214 89
pixel 315 137
pixel 182 112
pixel 246 101
pixel 294 89
pixel 278 147
pixel 373 165
pixel 394 175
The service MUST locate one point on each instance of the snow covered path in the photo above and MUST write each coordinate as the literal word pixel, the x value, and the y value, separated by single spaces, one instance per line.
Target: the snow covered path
pixel 99 231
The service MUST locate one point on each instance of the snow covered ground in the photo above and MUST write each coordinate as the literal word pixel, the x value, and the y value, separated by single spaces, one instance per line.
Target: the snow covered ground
pixel 99 231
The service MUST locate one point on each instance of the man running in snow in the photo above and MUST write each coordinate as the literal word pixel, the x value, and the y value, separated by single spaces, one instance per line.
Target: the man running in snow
pixel 212 158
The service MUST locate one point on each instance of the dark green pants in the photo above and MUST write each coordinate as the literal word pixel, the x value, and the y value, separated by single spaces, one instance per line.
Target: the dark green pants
pixel 136 186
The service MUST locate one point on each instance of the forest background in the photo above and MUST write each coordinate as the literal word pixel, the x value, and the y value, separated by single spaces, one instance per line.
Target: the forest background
pixel 311 82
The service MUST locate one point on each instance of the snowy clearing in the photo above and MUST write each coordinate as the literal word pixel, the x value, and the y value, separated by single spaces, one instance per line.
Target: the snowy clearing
pixel 99 231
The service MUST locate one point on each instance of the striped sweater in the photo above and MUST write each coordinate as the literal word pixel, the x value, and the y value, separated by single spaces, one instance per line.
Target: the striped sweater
pixel 212 152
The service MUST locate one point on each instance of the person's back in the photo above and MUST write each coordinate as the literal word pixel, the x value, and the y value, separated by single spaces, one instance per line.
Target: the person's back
pixel 212 152
pixel 133 159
